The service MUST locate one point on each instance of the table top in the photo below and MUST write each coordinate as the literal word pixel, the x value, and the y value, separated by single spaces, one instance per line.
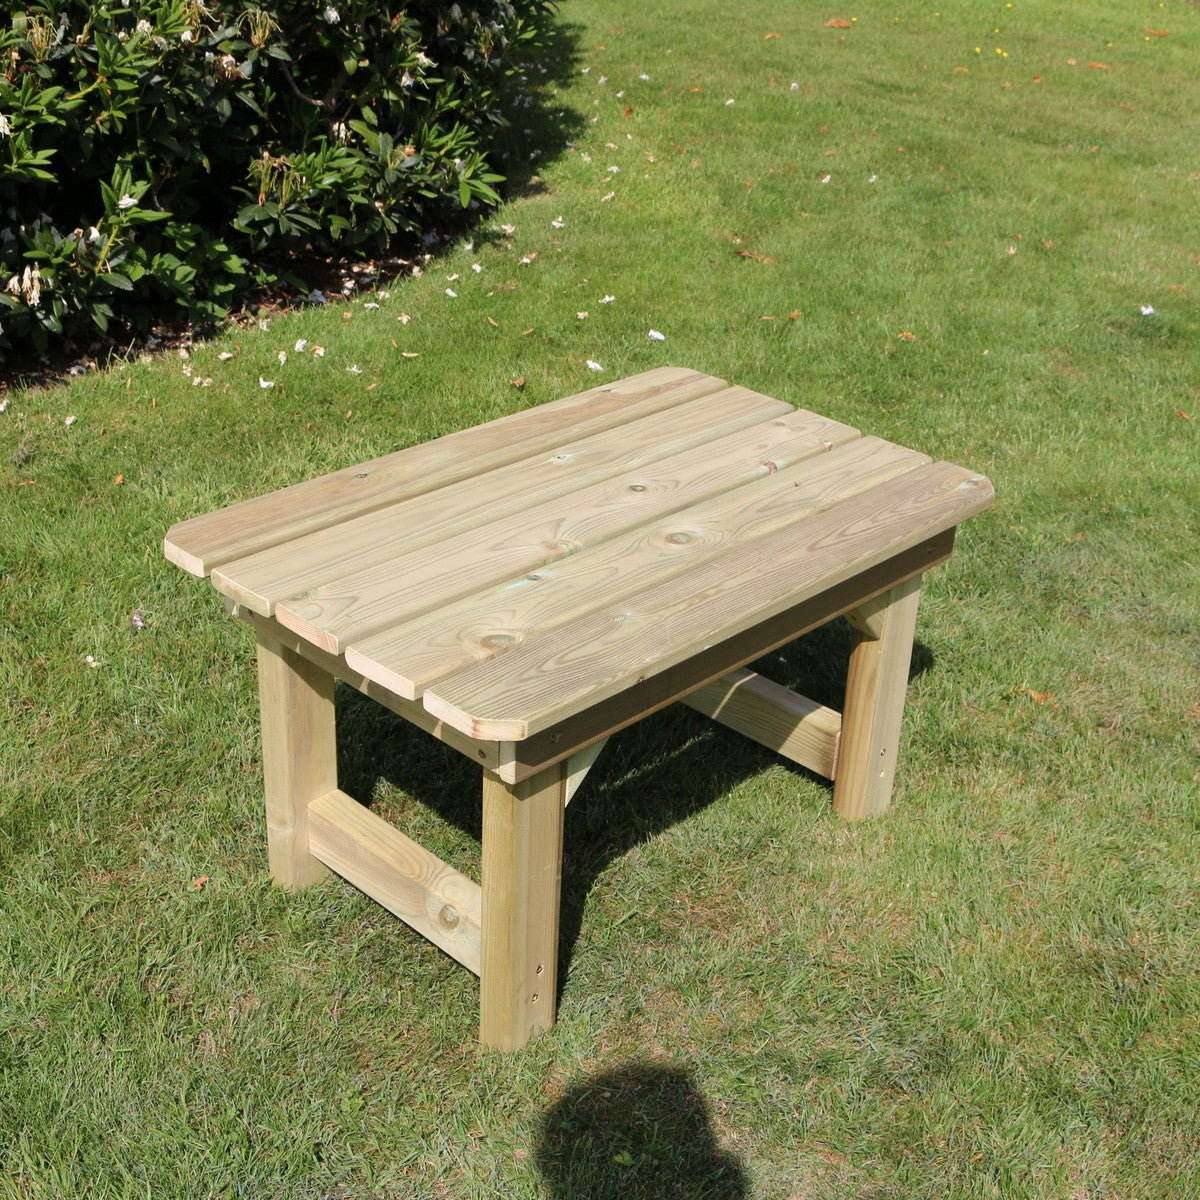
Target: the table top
pixel 512 575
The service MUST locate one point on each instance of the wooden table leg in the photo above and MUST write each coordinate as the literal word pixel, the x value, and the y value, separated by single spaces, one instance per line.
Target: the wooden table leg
pixel 876 686
pixel 299 756
pixel 522 878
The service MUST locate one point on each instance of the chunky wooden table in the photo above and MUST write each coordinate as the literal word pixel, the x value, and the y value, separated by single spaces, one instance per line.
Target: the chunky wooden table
pixel 523 589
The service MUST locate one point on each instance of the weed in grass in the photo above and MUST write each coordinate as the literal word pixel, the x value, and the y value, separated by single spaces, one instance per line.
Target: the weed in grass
pixel 988 992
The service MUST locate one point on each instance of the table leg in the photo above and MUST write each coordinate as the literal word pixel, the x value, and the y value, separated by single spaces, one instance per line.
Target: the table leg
pixel 876 686
pixel 299 756
pixel 522 877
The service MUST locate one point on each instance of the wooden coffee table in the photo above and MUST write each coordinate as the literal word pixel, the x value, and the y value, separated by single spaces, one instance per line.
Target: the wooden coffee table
pixel 525 588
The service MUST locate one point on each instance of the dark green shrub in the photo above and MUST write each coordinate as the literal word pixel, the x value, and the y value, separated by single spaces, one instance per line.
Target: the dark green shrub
pixel 161 152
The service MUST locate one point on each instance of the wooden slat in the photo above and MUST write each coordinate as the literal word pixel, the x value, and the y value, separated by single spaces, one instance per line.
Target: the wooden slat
pixel 800 729
pixel 436 900
pixel 408 658
pixel 586 661
pixel 353 546
pixel 355 606
pixel 520 760
pixel 202 543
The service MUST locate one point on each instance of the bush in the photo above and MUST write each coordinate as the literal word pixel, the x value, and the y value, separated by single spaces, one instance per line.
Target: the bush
pixel 163 153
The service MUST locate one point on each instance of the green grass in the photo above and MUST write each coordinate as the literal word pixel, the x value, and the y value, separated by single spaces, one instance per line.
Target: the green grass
pixel 991 991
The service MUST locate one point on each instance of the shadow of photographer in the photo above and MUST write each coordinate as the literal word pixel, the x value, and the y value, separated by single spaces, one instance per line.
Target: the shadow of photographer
pixel 638 1132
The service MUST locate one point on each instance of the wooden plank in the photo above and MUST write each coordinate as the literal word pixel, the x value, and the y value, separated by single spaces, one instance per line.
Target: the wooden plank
pixel 577 665
pixel 522 877
pixel 409 657
pixel 355 606
pixel 299 751
pixel 345 549
pixel 876 686
pixel 436 900
pixel 578 766
pixel 519 760
pixel 486 754
pixel 202 543
pixel 800 729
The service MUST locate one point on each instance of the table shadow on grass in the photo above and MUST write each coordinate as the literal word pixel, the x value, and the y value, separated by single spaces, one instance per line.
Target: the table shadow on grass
pixel 663 770
pixel 637 1132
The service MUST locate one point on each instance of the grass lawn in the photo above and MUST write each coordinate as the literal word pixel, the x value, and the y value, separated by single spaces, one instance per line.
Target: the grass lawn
pixel 971 231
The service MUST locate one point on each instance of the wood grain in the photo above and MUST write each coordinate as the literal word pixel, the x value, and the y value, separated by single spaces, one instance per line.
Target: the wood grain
pixel 407 585
pixel 585 661
pixel 202 543
pixel 350 547
pixel 410 656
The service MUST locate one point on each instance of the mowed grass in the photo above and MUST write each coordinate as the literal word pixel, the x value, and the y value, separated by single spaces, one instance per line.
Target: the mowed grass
pixel 994 990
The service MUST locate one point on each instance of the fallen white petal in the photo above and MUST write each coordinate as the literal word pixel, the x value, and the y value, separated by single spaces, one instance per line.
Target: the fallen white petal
pixel 69 422
pixel 607 299
pixel 265 383
pixel 225 355
pixel 452 293
pixel 370 305
pixel 655 336
pixel 354 370
pixel 301 345
pixel 282 357
pixel 593 365
pixel 1147 310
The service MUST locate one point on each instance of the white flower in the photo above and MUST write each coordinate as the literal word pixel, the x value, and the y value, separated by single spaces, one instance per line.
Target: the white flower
pixel 341 131
pixel 126 201
pixel 332 15
pixel 593 365
pixel 143 26
pixel 655 336
pixel 406 80
pixel 186 36
pixel 265 383
pixel 1147 310
pixel 93 235
pixel 5 127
